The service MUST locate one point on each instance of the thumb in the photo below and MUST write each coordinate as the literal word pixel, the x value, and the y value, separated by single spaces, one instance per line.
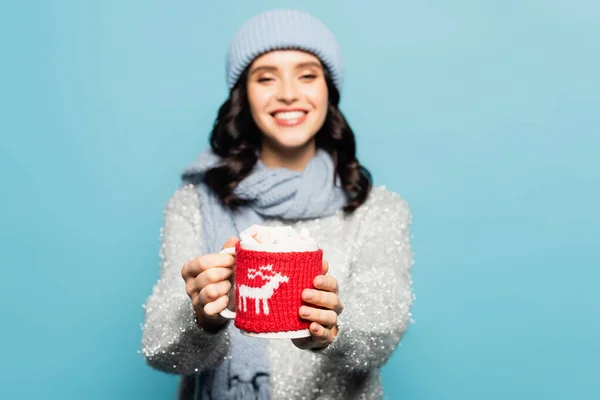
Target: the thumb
pixel 325 267
pixel 231 242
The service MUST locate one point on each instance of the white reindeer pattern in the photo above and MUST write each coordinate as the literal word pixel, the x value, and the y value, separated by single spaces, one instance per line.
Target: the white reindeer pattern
pixel 263 293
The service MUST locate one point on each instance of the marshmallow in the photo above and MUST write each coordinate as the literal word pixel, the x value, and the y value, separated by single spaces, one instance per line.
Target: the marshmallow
pixel 275 239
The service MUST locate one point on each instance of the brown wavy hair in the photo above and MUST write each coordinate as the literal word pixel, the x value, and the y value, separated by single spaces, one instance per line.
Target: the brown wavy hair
pixel 236 139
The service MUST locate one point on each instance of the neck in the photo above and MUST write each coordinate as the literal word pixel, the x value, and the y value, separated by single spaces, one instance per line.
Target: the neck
pixel 292 159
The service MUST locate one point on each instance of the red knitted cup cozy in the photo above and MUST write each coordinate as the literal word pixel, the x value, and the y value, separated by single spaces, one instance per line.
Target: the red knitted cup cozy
pixel 269 288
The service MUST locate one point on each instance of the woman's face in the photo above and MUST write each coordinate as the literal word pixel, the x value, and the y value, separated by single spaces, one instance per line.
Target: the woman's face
pixel 288 97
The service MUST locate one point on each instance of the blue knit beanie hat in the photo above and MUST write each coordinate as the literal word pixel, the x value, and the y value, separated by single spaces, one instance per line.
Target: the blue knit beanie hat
pixel 283 29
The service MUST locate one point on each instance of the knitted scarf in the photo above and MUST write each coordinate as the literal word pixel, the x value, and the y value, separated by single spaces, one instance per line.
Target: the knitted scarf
pixel 272 193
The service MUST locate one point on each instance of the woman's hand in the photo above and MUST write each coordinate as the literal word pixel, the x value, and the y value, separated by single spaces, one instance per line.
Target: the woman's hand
pixel 208 284
pixel 324 315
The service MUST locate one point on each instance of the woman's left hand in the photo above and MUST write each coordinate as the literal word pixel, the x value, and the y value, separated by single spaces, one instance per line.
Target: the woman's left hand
pixel 324 315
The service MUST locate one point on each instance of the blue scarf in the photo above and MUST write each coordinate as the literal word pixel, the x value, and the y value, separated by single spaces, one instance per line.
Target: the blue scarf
pixel 272 193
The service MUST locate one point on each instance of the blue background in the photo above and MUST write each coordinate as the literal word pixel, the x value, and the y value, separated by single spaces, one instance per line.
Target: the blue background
pixel 484 115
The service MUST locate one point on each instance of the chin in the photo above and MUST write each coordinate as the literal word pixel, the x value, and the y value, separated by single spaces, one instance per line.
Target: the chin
pixel 287 140
pixel 287 137
pixel 289 145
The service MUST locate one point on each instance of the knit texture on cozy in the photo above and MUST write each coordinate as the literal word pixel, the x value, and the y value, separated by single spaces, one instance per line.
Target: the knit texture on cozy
pixel 293 271
pixel 271 192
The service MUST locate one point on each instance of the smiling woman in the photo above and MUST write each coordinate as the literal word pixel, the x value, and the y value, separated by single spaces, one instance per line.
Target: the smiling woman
pixel 288 99
pixel 282 153
pixel 282 108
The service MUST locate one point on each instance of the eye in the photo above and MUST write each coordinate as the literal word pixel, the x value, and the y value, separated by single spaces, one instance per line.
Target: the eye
pixel 264 79
pixel 309 77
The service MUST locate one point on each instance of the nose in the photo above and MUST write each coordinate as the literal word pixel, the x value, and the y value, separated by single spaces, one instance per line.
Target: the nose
pixel 288 92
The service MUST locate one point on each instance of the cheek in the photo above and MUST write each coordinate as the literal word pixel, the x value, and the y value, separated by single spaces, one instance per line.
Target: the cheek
pixel 258 100
pixel 320 99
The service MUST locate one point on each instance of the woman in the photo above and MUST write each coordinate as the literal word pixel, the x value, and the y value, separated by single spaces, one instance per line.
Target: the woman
pixel 281 154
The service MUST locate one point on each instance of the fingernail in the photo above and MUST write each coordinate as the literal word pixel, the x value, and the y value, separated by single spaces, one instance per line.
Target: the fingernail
pixel 309 295
pixel 305 312
pixel 319 281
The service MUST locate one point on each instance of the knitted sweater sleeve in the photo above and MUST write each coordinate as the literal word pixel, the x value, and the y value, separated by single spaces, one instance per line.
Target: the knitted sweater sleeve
pixel 377 295
pixel 172 341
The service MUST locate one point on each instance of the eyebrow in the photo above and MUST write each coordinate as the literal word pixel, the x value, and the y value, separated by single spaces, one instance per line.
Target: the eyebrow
pixel 271 68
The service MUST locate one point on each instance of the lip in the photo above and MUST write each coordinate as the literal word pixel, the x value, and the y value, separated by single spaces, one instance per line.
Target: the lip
pixel 304 110
pixel 289 122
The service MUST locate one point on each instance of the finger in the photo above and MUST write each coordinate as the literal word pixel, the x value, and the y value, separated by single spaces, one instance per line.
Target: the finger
pixel 215 307
pixel 191 289
pixel 327 318
pixel 231 242
pixel 213 275
pixel 190 268
pixel 213 292
pixel 195 267
pixel 319 333
pixel 215 261
pixel 319 298
pixel 327 283
pixel 325 268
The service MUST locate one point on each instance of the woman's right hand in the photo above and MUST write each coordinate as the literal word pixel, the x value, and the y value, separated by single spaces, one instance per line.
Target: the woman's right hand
pixel 208 285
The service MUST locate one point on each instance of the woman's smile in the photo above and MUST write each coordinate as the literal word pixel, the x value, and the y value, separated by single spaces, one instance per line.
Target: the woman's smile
pixel 289 117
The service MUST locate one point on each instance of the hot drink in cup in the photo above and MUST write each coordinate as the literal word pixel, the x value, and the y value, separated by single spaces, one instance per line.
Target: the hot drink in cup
pixel 273 267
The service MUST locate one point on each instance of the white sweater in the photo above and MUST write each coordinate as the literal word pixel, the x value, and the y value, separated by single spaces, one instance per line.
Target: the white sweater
pixel 369 253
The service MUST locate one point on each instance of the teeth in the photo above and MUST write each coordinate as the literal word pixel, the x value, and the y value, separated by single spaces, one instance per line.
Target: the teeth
pixel 289 115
